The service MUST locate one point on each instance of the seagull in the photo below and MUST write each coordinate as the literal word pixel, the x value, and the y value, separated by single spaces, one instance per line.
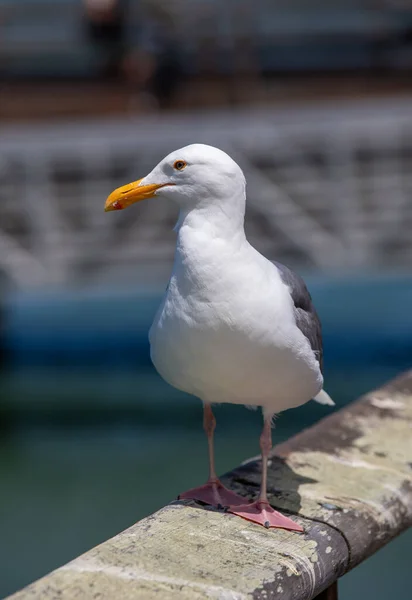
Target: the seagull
pixel 232 326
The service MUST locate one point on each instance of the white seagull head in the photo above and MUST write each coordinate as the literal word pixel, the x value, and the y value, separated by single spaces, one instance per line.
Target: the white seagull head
pixel 194 176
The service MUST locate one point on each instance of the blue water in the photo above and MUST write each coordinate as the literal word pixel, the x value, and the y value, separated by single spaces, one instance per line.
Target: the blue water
pixel 366 320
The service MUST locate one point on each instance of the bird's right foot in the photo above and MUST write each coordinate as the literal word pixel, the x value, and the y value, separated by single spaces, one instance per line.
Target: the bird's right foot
pixel 214 493
pixel 262 513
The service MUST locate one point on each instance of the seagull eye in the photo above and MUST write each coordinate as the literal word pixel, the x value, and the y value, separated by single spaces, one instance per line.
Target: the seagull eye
pixel 179 165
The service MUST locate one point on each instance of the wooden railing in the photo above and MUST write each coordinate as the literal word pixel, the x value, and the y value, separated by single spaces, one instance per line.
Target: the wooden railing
pixel 347 481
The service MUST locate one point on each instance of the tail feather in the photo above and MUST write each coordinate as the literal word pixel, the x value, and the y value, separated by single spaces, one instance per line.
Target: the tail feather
pixel 324 398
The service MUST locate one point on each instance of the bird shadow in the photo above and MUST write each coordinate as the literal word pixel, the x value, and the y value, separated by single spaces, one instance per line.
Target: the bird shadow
pixel 283 485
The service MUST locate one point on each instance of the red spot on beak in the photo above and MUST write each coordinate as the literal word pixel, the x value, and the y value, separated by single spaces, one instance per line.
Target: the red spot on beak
pixel 117 205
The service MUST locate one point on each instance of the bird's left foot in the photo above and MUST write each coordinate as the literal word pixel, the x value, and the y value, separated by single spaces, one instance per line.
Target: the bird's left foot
pixel 262 513
pixel 213 493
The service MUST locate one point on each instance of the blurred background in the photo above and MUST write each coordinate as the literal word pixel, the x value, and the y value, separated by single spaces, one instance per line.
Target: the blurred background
pixel 314 102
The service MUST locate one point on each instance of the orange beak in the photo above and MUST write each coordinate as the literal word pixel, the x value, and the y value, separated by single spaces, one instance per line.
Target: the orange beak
pixel 128 194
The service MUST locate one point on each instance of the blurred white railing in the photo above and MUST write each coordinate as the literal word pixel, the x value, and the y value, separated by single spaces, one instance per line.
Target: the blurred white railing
pixel 328 187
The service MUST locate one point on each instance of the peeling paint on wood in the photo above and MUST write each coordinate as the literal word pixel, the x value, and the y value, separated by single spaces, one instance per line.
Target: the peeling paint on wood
pixel 347 480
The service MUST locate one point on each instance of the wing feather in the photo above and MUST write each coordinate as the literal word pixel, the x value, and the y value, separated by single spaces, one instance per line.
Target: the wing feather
pixel 307 319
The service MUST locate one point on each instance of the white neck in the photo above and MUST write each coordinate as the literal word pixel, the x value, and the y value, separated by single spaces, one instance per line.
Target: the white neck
pixel 209 239
pixel 218 218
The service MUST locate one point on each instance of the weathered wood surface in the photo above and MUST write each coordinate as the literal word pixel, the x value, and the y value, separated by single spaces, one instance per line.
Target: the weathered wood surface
pixel 347 480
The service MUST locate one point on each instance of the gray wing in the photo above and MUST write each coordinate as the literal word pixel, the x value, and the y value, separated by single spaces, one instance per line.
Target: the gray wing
pixel 305 314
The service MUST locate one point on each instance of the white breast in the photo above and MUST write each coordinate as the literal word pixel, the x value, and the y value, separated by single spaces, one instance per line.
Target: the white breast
pixel 225 330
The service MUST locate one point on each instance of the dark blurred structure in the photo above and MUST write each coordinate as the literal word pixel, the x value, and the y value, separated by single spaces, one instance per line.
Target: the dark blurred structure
pixel 195 53
pixel 106 28
pixel 44 39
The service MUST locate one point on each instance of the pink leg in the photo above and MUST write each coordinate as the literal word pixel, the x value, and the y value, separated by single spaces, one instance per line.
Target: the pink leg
pixel 260 511
pixel 213 492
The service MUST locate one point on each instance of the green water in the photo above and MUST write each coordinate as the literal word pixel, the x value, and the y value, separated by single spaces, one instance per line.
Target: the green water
pixel 71 481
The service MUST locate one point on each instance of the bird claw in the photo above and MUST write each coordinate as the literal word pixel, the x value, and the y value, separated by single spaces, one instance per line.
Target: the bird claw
pixel 213 493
